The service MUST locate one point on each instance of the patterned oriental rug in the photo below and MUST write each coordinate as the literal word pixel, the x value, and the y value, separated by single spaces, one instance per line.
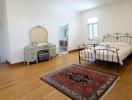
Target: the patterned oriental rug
pixel 80 83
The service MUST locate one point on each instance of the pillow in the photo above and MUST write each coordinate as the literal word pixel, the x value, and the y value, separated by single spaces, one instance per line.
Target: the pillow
pixel 115 43
pixel 107 43
pixel 121 44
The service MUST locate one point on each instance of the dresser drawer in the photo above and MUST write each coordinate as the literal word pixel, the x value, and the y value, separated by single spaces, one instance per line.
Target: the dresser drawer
pixel 31 53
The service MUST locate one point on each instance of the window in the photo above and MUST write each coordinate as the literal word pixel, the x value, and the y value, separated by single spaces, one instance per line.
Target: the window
pixel 93 27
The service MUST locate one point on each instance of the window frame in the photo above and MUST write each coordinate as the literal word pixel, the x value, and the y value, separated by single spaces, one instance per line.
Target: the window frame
pixel 93 37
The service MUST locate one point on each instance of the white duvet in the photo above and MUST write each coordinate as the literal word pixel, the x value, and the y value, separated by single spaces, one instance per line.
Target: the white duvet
pixel 124 50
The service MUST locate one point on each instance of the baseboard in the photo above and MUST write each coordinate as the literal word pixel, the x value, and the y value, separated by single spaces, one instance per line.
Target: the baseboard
pixel 8 62
pixel 14 63
pixel 74 50
pixel 23 61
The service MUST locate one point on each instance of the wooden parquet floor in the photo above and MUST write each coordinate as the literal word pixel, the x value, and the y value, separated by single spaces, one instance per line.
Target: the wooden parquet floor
pixel 21 82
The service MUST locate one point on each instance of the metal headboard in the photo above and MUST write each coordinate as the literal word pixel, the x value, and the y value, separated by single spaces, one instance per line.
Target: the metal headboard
pixel 118 37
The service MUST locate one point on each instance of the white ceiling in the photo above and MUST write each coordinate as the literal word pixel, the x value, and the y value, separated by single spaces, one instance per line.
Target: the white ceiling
pixel 79 5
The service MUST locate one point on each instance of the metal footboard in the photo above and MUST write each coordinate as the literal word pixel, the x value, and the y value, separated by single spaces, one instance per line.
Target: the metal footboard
pixel 93 52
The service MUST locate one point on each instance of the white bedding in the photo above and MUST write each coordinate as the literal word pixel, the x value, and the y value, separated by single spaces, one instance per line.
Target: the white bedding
pixel 124 50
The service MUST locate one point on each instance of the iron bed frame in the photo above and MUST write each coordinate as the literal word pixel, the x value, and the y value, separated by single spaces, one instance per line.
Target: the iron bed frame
pixel 116 37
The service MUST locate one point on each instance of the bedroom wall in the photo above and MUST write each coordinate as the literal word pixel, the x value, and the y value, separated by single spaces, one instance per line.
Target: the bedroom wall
pixel 4 38
pixel 25 14
pixel 111 18
pixel 1 33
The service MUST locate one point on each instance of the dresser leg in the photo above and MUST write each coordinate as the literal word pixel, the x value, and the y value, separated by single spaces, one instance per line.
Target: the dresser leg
pixel 24 62
pixel 36 61
pixel 28 63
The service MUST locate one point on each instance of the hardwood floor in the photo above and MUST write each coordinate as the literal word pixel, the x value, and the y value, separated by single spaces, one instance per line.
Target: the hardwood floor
pixel 21 82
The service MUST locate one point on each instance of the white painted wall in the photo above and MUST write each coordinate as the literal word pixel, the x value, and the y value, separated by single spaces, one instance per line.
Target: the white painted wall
pixel 25 14
pixel 1 8
pixel 4 37
pixel 112 18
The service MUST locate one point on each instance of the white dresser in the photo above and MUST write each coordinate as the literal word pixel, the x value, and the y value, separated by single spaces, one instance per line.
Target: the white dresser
pixel 39 42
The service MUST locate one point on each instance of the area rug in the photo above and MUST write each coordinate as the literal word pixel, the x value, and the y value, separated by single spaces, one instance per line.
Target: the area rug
pixel 80 83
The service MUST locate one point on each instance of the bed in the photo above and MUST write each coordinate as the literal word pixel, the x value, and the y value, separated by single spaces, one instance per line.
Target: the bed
pixel 114 48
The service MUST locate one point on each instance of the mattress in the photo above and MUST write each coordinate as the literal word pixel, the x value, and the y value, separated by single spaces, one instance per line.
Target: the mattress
pixel 107 51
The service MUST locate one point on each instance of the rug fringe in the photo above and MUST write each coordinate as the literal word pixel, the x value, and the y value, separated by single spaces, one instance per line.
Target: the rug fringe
pixel 102 98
